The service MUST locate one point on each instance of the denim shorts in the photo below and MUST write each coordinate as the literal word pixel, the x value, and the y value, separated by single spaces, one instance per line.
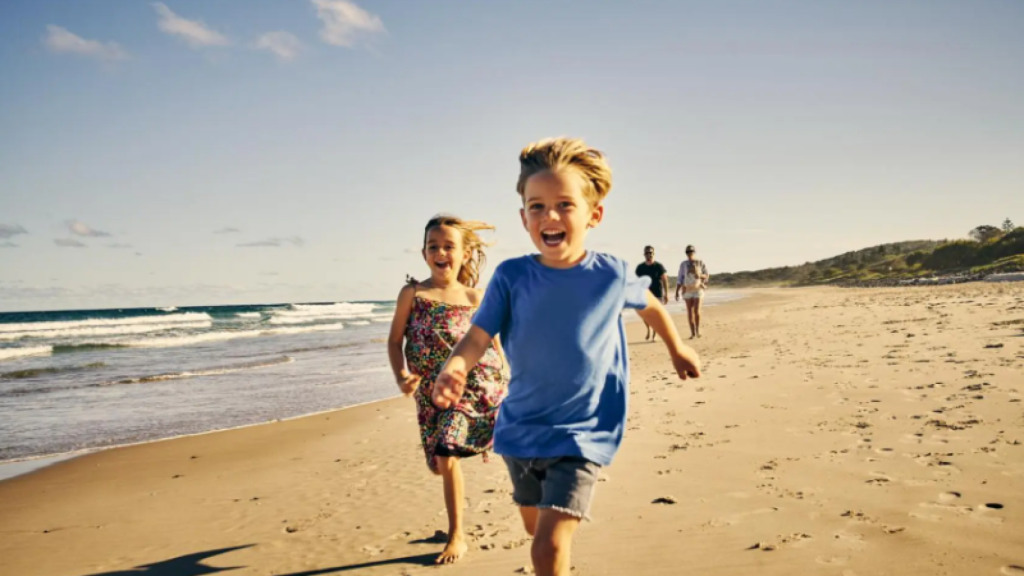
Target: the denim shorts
pixel 565 483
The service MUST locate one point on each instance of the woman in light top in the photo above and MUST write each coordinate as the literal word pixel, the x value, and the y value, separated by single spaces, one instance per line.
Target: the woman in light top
pixel 693 278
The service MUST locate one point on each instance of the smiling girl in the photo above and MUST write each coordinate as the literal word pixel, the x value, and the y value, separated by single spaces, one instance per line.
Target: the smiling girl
pixel 430 318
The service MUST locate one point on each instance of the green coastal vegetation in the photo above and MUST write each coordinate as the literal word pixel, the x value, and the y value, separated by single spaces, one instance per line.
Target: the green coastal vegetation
pixel 986 250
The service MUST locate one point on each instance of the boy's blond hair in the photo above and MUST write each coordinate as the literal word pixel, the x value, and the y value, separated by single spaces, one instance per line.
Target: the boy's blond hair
pixel 469 274
pixel 558 154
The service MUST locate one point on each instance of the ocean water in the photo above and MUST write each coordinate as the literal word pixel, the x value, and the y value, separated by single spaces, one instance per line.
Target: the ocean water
pixel 87 379
pixel 78 380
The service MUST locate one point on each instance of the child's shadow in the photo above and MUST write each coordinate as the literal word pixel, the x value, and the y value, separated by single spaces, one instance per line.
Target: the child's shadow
pixel 188 565
pixel 191 564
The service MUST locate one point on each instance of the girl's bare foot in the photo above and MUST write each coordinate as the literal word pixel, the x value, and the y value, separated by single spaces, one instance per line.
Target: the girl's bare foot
pixel 453 551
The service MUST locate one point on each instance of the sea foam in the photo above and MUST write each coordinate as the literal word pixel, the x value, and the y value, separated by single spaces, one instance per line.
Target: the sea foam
pixel 9 353
pixel 103 330
pixel 91 322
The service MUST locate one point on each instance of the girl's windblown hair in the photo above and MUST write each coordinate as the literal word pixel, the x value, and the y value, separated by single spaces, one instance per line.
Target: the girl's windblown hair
pixel 558 154
pixel 469 274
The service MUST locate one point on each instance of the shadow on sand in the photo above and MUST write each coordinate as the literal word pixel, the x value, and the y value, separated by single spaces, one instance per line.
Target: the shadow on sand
pixel 192 565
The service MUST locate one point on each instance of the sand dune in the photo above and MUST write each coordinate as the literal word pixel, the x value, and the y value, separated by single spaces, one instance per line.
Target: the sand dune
pixel 845 432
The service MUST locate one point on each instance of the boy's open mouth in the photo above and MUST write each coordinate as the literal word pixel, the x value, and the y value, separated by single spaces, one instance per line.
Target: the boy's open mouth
pixel 552 237
pixel 443 265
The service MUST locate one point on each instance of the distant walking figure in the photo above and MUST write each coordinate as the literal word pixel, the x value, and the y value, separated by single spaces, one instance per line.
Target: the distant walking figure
pixel 693 278
pixel 659 283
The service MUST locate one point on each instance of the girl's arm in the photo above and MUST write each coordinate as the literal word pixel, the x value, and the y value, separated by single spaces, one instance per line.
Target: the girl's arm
pixel 403 309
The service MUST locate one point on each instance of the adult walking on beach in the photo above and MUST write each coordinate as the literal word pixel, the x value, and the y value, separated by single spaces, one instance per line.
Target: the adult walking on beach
pixel 659 283
pixel 693 278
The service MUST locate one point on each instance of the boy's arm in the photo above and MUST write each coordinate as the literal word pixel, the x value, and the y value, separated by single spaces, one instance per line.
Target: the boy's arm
pixel 684 358
pixel 451 381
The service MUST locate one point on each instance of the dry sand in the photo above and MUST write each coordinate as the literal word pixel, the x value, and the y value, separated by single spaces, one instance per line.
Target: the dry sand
pixel 841 432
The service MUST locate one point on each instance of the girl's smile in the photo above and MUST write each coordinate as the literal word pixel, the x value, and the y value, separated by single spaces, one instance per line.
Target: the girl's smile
pixel 444 253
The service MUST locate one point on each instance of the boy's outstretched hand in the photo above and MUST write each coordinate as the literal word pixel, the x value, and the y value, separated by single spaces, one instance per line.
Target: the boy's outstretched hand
pixel 448 388
pixel 686 362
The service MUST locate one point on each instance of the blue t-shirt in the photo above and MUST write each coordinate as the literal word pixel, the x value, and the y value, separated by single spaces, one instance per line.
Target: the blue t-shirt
pixel 563 334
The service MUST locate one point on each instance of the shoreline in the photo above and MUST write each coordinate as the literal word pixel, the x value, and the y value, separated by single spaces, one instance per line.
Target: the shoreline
pixel 11 469
pixel 67 456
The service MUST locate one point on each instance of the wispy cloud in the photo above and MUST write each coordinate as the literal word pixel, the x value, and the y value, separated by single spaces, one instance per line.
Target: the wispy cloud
pixel 119 246
pixel 282 44
pixel 345 22
pixel 8 244
pixel 68 243
pixel 274 242
pixel 228 230
pixel 61 40
pixel 81 229
pixel 193 32
pixel 11 230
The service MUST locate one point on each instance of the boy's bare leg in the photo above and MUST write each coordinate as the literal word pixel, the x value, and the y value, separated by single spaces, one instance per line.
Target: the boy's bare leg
pixel 529 514
pixel 552 543
pixel 451 472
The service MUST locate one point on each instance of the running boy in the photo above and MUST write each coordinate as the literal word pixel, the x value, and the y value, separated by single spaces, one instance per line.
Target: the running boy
pixel 559 317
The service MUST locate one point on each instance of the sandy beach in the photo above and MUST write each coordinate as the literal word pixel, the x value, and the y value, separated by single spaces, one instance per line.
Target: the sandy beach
pixel 835 432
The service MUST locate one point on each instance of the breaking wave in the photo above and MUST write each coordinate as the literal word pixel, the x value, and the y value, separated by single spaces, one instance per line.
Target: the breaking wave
pixel 94 322
pixel 9 353
pixel 36 372
pixel 104 330
pixel 190 339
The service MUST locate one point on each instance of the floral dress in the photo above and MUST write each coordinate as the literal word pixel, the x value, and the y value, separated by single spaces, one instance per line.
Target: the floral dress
pixel 466 428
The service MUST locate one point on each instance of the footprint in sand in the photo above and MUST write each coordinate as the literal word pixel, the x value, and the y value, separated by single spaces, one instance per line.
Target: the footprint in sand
pixel 1012 570
pixel 980 513
pixel 832 560
pixel 878 479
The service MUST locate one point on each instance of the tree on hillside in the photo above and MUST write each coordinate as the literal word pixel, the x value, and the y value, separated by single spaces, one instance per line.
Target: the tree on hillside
pixel 1008 226
pixel 958 254
pixel 985 233
pixel 915 258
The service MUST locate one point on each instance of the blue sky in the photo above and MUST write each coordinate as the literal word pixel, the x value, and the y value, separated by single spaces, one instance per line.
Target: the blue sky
pixel 326 133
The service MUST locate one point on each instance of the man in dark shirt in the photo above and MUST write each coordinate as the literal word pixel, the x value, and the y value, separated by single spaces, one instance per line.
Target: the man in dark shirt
pixel 659 282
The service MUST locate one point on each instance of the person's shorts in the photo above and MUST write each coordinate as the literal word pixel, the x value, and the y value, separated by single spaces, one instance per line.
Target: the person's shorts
pixel 565 484
pixel 695 295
